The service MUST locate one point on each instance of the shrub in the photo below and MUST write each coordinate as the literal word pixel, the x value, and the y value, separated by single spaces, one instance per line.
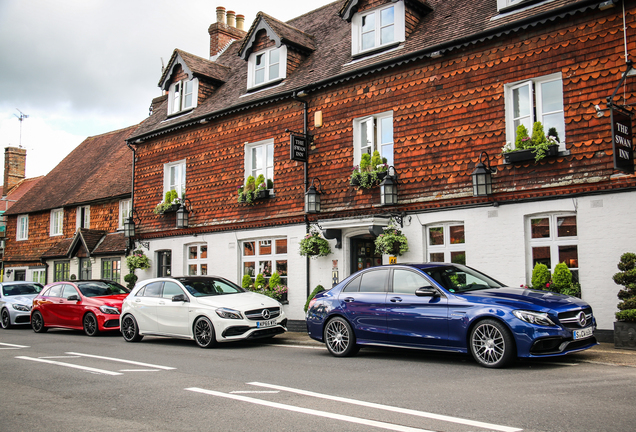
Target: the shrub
pixel 365 162
pixel 260 284
pixel 561 278
pixel 246 282
pixel 573 290
pixel 538 135
pixel 627 278
pixel 319 288
pixel 540 277
pixel 522 138
pixel 274 281
pixel 131 280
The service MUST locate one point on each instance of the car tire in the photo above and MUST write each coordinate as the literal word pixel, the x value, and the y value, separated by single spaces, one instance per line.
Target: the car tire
pixel 204 332
pixel 37 323
pixel 492 344
pixel 130 329
pixel 339 338
pixel 91 327
pixel 5 319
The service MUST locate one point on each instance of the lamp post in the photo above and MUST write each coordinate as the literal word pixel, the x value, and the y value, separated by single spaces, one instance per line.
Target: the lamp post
pixel 312 197
pixel 388 188
pixel 482 177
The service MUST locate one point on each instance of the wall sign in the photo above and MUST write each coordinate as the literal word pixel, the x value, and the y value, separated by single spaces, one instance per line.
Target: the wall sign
pixel 298 148
pixel 622 140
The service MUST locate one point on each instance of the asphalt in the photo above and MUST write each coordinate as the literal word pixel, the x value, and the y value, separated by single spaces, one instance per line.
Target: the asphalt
pixel 603 353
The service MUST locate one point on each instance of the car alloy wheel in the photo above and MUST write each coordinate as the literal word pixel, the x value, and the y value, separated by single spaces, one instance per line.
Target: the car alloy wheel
pixel 491 344
pixel 339 338
pixel 37 323
pixel 204 333
pixel 90 324
pixel 130 330
pixel 6 319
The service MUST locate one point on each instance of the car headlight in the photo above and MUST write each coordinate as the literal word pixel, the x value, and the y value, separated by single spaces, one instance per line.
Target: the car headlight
pixel 21 307
pixel 537 318
pixel 228 313
pixel 109 310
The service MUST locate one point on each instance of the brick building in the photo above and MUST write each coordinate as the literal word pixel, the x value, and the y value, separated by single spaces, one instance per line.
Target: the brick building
pixel 434 86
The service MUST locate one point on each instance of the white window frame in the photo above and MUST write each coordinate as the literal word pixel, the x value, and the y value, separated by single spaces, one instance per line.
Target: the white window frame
pixel 177 96
pixel 399 32
pixel 124 211
pixel 57 222
pixel 260 260
pixel 22 229
pixel 374 142
pixel 38 275
pixel 553 241
pixel 535 107
pixel 266 55
pixel 87 217
pixel 267 149
pixel 198 261
pixel 179 183
pixel 447 248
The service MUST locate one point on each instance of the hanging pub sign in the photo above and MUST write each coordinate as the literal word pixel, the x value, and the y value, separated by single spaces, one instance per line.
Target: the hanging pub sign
pixel 298 147
pixel 622 140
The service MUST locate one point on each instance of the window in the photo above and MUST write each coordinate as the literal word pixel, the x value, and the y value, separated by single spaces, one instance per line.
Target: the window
pixel 39 276
pixel 266 66
pixel 174 177
pixel 164 263
pixel 83 217
pixel 182 96
pixel 553 240
pixel 69 290
pixel 124 212
pixel 502 4
pixel 379 28
pixel 111 269
pixel 86 269
pixel 539 99
pixel 371 134
pixel 446 243
pixel 61 270
pixel 57 222
pixel 153 289
pixel 259 159
pixel 197 259
pixel 171 289
pixel 407 282
pixel 265 256
pixel 23 227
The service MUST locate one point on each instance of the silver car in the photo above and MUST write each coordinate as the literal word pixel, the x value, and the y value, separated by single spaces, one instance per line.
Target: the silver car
pixel 16 300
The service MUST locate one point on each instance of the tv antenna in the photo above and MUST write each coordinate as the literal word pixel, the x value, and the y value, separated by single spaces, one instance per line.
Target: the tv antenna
pixel 21 117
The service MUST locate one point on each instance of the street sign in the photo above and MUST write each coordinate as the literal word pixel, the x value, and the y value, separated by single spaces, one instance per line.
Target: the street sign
pixel 622 140
pixel 298 148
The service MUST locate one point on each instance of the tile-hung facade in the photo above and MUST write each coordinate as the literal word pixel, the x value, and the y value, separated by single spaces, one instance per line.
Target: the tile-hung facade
pixel 430 85
pixel 70 224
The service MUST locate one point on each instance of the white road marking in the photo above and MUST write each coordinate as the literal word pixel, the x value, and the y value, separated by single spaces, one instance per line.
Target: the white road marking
pixel 254 392
pixel 298 346
pixel 309 411
pixel 391 408
pixel 12 346
pixel 122 361
pixel 89 369
pixel 59 357
pixel 138 370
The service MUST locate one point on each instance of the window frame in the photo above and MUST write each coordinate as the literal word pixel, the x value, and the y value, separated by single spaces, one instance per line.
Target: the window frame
pixel 259 259
pixel 56 227
pixel 359 124
pixel 61 270
pixel 176 94
pixel 266 53
pixel 22 228
pixel 399 29
pixel 268 145
pixel 447 248
pixel 199 261
pixel 124 212
pixel 115 273
pixel 180 185
pixel 83 222
pixel 164 262
pixel 554 241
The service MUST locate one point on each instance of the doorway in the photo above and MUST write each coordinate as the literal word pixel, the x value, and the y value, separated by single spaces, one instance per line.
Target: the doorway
pixel 363 253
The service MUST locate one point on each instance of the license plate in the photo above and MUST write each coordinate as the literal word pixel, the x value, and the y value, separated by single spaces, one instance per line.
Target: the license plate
pixel 270 323
pixel 583 333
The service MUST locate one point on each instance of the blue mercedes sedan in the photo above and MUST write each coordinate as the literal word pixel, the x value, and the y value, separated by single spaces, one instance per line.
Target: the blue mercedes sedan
pixel 448 307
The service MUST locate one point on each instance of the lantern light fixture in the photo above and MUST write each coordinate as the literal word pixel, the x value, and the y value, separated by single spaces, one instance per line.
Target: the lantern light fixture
pixel 482 176
pixel 183 214
pixel 388 188
pixel 312 197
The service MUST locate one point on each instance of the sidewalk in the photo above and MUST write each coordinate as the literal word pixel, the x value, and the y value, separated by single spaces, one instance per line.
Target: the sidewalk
pixel 604 353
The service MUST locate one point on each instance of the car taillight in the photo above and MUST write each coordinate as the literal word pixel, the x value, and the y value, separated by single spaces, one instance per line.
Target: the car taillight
pixel 311 303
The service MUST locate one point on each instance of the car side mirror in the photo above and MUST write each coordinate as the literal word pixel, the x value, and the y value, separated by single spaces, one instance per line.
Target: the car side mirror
pixel 74 297
pixel 180 298
pixel 426 292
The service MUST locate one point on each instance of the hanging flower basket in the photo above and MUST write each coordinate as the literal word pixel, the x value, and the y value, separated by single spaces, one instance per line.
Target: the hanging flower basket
pixel 314 245
pixel 391 242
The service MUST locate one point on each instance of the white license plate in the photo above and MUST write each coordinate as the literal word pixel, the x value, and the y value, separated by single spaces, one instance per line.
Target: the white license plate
pixel 583 333
pixel 270 323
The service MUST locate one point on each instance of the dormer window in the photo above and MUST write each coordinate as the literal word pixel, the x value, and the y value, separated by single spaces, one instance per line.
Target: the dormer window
pixel 506 4
pixel 267 66
pixel 182 96
pixel 377 29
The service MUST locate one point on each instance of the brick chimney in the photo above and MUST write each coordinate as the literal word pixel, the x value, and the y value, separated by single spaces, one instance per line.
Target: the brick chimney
pixel 221 34
pixel 14 167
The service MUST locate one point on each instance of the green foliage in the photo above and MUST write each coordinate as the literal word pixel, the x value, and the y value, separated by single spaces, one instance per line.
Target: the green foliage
pixel 376 159
pixel 521 138
pixel 137 260
pixel 250 184
pixel 171 198
pixel 552 133
pixel 171 195
pixel 561 278
pixel 130 280
pixel 627 278
pixel 274 281
pixel 367 174
pixel 540 277
pixel 314 245
pixel 246 282
pixel 260 283
pixel 538 135
pixel 270 184
pixel 391 242
pixel 319 288
pixel 573 290
pixel 260 182
pixel 365 162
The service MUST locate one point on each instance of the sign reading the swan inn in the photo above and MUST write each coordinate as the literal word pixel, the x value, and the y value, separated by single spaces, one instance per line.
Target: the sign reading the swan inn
pixel 299 147
pixel 622 141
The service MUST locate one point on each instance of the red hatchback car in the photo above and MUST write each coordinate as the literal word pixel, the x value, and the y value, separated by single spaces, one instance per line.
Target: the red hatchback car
pixel 91 305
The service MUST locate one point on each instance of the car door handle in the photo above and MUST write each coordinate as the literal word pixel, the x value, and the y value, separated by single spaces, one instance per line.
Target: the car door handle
pixel 137 300
pixel 162 303
pixel 349 299
pixel 396 300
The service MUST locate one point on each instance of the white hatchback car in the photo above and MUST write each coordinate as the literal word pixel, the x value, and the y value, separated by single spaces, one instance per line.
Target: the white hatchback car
pixel 208 309
pixel 16 300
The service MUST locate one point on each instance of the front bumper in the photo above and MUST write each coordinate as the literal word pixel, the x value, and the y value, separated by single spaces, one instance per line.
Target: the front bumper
pixel 242 331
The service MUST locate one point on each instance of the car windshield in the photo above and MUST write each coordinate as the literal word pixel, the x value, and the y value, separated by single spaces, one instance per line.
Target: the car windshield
pixel 210 287
pixel 101 288
pixel 21 289
pixel 459 279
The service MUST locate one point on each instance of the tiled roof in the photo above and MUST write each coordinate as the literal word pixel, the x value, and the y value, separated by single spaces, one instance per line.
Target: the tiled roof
pixel 195 64
pixel 99 168
pixel 277 30
pixel 18 192
pixel 111 244
pixel 450 25
pixel 94 242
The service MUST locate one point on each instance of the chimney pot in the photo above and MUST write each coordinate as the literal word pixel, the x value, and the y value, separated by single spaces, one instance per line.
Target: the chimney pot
pixel 240 21
pixel 220 14
pixel 231 18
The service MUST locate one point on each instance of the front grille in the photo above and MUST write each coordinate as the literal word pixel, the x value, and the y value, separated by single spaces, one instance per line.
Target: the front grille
pixel 257 314
pixel 111 323
pixel 235 331
pixel 570 319
pixel 22 319
pixel 266 332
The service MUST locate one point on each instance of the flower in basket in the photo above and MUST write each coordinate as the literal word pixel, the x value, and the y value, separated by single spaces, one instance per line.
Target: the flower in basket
pixel 370 172
pixel 314 245
pixel 137 260
pixel 171 199
pixel 391 242
pixel 279 292
pixel 538 142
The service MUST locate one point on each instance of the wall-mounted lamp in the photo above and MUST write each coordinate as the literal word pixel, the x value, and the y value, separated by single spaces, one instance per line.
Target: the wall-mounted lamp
pixel 9 272
pixel 482 177
pixel 183 214
pixel 312 197
pixel 130 225
pixel 388 188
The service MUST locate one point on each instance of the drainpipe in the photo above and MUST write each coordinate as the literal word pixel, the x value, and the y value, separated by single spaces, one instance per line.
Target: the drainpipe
pixel 132 192
pixel 296 97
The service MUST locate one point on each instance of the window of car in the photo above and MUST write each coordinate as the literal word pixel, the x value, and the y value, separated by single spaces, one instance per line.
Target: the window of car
pixel 379 28
pixel 69 290
pixel 204 287
pixel 374 281
pixel 20 289
pixel 353 285
pixel 99 288
pixel 54 291
pixel 153 289
pixel 171 289
pixel 407 281
pixel 458 279
pixel 373 133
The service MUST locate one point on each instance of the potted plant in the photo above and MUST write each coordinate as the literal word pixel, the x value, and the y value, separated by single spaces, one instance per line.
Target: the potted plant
pixel 625 325
pixel 314 245
pixel 170 203
pixel 534 147
pixel 254 189
pixel 391 242
pixel 136 260
pixel 370 172
pixel 262 191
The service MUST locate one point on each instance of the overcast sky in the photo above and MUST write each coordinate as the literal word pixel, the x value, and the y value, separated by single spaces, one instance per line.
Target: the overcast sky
pixel 80 68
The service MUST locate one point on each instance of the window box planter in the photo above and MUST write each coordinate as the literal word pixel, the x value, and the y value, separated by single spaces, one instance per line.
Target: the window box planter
pixel 251 197
pixel 262 194
pixel 529 154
